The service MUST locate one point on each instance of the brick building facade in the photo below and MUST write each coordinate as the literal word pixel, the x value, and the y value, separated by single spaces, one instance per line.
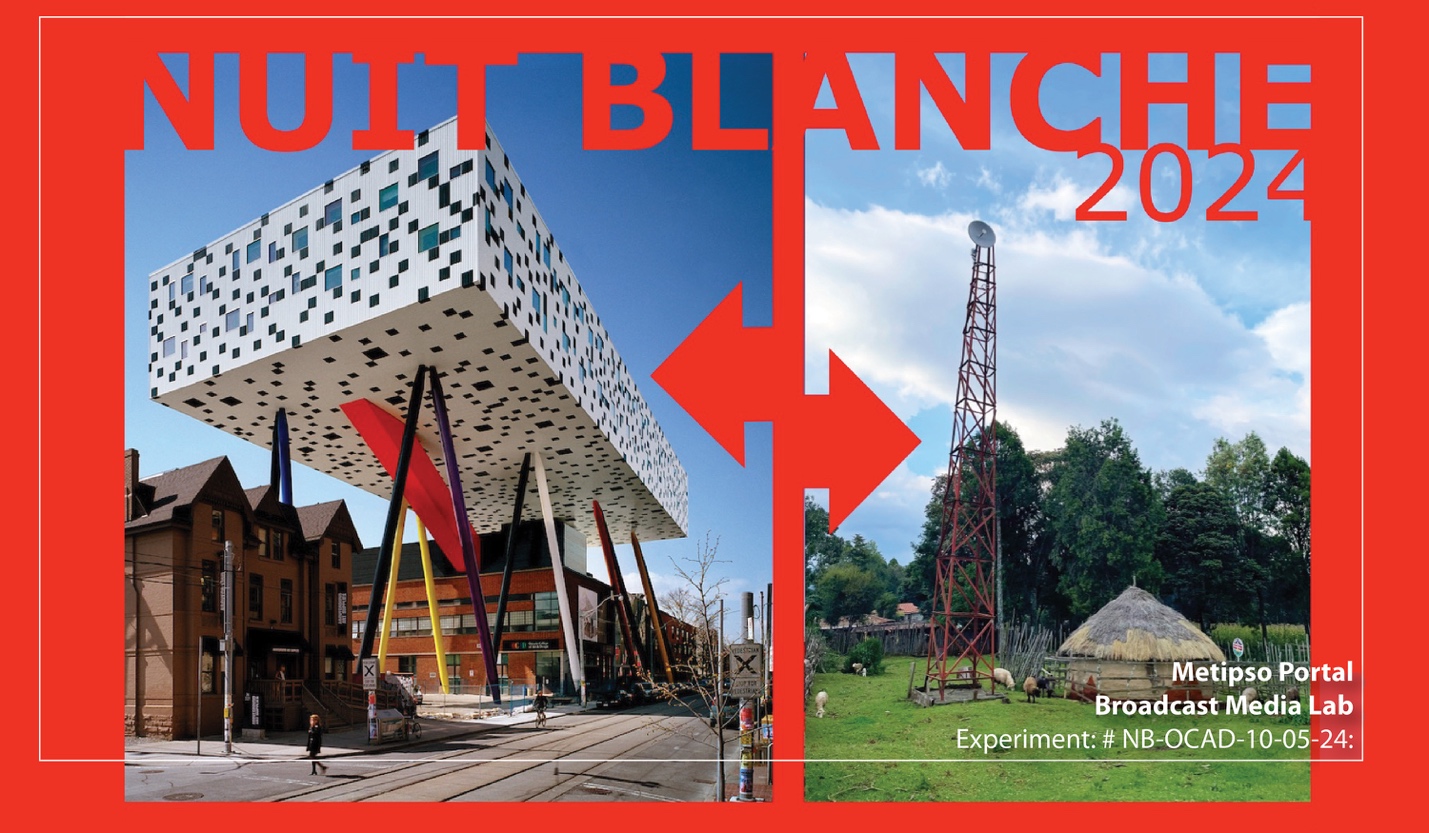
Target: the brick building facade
pixel 532 646
pixel 290 566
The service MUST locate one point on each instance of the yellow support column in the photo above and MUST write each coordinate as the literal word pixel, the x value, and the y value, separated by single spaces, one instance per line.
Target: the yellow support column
pixel 391 592
pixel 432 606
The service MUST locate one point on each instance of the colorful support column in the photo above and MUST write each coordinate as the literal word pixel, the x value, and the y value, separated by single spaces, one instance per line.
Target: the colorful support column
pixel 432 606
pixel 617 586
pixel 394 508
pixel 511 550
pixel 281 476
pixel 468 544
pixel 558 566
pixel 285 461
pixel 426 492
pixel 391 592
pixel 658 626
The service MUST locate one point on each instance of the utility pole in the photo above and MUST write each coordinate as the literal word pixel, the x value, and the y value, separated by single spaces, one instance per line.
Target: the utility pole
pixel 228 647
pixel 767 600
pixel 718 710
pixel 198 699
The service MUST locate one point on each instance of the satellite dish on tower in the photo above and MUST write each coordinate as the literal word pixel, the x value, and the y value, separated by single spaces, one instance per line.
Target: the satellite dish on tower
pixel 982 234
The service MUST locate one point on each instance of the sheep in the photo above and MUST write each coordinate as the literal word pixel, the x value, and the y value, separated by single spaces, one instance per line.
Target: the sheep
pixel 1292 694
pixel 1250 695
pixel 1002 675
pixel 1029 687
pixel 1044 686
pixel 820 701
pixel 858 669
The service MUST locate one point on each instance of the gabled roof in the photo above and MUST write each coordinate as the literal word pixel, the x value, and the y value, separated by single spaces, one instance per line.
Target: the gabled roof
pixel 265 503
pixel 174 491
pixel 329 520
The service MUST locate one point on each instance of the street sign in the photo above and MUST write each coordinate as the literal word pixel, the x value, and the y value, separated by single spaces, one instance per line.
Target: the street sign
pixel 746 659
pixel 1238 647
pixel 746 688
pixel 369 673
pixel 746 670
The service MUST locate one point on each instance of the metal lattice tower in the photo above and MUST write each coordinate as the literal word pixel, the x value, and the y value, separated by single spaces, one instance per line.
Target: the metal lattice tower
pixel 963 630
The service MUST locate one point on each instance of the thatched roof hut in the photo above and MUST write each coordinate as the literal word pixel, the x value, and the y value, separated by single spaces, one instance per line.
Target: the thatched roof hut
pixel 1126 650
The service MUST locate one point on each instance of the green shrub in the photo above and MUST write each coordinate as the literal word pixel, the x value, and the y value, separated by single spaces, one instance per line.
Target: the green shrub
pixel 831 663
pixel 869 652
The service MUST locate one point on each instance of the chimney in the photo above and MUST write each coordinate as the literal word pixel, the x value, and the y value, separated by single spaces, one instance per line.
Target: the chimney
pixel 132 507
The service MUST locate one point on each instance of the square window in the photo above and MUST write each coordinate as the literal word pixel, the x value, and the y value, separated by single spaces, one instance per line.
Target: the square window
pixel 255 596
pixel 427 166
pixel 387 197
pixel 427 238
pixel 254 250
pixel 300 239
pixel 208 587
pixel 285 601
pixel 333 212
pixel 332 278
pixel 230 321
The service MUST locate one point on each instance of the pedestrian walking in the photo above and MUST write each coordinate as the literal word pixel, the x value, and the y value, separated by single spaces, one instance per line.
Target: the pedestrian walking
pixel 315 743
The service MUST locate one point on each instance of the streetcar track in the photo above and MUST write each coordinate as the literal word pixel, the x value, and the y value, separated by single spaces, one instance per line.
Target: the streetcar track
pixel 504 750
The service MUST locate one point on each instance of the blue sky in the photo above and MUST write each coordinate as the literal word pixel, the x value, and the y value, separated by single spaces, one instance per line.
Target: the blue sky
pixel 657 238
pixel 1183 331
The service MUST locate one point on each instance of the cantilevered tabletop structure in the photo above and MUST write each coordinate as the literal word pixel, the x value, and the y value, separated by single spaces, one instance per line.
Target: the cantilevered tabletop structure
pixel 431 257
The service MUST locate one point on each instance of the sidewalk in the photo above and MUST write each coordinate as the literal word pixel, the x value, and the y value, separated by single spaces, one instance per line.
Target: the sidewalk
pixel 456 716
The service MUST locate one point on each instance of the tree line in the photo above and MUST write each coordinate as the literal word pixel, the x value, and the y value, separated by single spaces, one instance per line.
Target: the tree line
pixel 1083 522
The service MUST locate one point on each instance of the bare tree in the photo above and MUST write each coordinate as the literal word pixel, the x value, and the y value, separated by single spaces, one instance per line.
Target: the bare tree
pixel 696 602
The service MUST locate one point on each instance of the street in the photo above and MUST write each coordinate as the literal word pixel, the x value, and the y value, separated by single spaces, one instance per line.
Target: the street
pixel 653 753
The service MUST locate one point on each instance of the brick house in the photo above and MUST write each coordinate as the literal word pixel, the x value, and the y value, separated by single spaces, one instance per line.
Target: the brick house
pixel 285 558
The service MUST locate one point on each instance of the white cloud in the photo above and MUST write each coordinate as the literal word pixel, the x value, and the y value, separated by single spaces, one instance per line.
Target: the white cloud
pixel 1275 400
pixel 936 176
pixel 1084 333
pixel 1062 196
pixel 1287 336
pixel 985 179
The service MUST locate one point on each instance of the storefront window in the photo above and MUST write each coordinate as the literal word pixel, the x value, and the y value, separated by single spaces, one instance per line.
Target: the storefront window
pixel 549 665
pixel 548 612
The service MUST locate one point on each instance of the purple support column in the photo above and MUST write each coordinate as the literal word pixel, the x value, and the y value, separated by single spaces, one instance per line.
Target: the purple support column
pixel 468 547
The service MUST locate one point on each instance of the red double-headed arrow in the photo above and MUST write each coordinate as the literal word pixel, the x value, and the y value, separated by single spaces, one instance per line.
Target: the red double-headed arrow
pixel 726 374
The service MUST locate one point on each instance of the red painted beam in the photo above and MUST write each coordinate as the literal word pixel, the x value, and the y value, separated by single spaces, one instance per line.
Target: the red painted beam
pixel 426 491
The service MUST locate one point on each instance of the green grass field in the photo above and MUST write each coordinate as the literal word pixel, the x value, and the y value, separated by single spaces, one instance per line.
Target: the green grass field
pixel 875 745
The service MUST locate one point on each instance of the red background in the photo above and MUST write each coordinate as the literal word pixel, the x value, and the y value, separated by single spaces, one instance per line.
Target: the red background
pixel 75 105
